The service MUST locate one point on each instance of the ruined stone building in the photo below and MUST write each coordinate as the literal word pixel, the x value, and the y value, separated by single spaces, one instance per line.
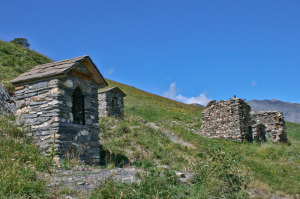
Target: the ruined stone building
pixel 268 125
pixel 228 119
pixel 58 104
pixel 111 102
pixel 234 120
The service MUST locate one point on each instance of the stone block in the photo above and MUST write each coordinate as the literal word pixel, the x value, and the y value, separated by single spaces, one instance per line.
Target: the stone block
pixel 41 85
pixel 88 121
pixel 68 83
pixel 69 103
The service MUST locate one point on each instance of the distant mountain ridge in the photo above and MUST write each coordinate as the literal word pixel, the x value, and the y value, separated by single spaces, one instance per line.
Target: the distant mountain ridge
pixel 200 105
pixel 291 111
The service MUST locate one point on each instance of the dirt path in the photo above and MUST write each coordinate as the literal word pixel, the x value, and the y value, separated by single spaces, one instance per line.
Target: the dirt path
pixel 172 136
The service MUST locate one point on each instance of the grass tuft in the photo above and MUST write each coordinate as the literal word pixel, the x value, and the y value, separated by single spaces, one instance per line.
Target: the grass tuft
pixel 20 161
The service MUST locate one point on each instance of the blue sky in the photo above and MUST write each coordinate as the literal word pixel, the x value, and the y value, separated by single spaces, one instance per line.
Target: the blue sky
pixel 191 51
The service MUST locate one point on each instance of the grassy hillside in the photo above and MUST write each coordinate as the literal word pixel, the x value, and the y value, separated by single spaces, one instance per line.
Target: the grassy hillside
pixel 222 168
pixel 15 60
pixel 155 108
pixel 268 167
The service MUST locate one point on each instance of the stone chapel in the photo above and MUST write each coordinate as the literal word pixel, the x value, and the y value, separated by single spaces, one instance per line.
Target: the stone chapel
pixel 111 102
pixel 58 105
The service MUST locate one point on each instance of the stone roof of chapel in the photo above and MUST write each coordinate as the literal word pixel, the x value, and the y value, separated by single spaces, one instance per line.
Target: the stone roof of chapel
pixel 113 89
pixel 57 68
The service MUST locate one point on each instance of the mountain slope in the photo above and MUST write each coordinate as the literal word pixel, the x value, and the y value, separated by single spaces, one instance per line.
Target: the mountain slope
pixel 15 60
pixel 220 165
pixel 134 140
pixel 291 111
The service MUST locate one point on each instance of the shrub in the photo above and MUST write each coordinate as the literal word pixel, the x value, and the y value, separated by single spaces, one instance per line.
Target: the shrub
pixel 21 41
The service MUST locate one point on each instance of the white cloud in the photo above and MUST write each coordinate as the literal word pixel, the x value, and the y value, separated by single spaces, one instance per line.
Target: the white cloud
pixel 172 94
pixel 253 83
pixel 201 99
pixel 110 71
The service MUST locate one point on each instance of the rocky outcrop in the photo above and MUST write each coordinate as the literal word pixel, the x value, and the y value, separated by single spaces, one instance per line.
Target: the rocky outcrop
pixel 7 105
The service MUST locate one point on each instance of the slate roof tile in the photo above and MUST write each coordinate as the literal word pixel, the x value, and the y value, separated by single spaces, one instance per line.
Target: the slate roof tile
pixel 49 69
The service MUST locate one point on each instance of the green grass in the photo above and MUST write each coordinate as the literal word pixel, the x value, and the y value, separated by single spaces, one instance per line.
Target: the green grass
pixel 269 167
pixel 136 140
pixel 19 163
pixel 222 180
pixel 15 60
pixel 153 185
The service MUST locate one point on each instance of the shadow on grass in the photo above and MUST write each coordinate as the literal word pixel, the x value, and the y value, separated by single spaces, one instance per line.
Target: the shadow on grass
pixel 109 157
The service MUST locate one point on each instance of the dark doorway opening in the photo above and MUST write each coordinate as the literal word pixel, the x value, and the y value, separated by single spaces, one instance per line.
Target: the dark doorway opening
pixel 114 106
pixel 78 107
pixel 249 135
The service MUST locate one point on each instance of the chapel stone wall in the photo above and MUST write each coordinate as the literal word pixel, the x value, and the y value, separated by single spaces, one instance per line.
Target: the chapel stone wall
pixel 45 109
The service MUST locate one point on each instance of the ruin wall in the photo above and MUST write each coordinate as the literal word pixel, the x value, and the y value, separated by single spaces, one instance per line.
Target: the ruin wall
pixel 268 125
pixel 226 119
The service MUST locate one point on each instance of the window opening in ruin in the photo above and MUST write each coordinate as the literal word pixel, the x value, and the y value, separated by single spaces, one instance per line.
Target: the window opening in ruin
pixel 114 105
pixel 78 107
